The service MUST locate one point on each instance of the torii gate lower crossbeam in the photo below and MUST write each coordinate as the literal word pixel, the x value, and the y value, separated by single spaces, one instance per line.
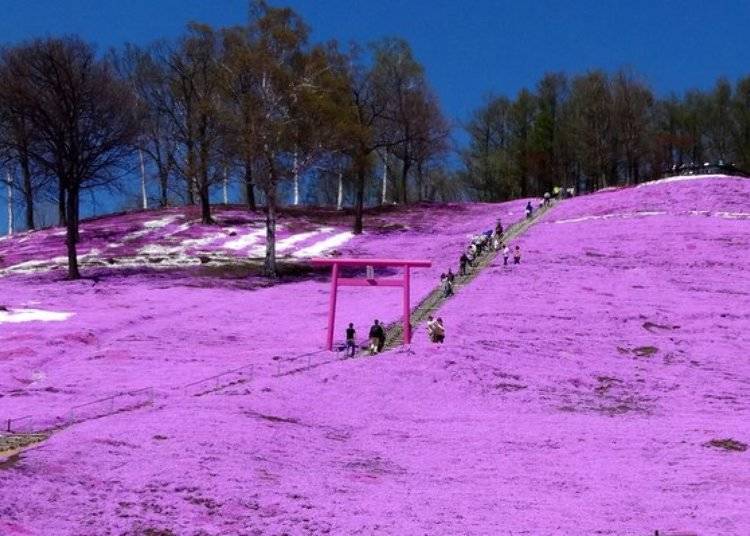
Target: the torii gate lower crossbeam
pixel 369 281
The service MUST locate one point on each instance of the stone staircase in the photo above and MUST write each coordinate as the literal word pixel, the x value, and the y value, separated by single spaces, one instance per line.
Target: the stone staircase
pixel 435 299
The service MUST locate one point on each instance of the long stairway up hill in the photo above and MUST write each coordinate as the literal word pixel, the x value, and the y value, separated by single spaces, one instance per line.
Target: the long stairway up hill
pixel 436 298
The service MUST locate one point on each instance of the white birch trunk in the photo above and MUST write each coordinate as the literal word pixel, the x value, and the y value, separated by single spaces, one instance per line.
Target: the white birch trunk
pixel 144 197
pixel 9 185
pixel 295 168
pixel 340 199
pixel 385 179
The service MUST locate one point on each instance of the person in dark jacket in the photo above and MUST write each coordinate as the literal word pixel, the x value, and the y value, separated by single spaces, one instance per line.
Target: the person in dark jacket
pixel 438 331
pixel 517 255
pixel 377 338
pixel 351 340
pixel 462 262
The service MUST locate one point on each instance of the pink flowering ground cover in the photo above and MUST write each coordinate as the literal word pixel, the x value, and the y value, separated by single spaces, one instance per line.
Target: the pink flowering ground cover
pixel 589 390
pixel 140 327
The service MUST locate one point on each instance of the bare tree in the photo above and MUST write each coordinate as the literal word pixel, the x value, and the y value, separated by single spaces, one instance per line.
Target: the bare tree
pixel 79 113
pixel 632 111
pixel 146 71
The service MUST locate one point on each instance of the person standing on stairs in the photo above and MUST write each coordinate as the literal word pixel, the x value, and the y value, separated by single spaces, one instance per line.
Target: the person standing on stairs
pixel 351 343
pixel 462 262
pixel 447 287
pixel 517 255
pixel 377 338
pixel 506 254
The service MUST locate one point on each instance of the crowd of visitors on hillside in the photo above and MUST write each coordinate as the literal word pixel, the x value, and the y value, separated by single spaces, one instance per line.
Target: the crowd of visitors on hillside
pixel 491 240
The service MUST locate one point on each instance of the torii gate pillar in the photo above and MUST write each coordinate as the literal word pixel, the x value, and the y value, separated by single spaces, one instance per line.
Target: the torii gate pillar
pixel 369 281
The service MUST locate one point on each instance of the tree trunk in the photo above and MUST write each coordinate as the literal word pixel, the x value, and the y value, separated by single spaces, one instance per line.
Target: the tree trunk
pixel 420 180
pixel 190 174
pixel 28 192
pixel 405 180
pixel 144 197
pixel 72 233
pixel 359 203
pixel 295 174
pixel 225 186
pixel 384 194
pixel 249 188
pixel 163 185
pixel 203 185
pixel 62 217
pixel 340 197
pixel 269 265
pixel 11 216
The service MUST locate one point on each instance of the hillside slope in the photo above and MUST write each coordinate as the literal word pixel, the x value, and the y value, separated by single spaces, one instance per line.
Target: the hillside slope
pixel 592 389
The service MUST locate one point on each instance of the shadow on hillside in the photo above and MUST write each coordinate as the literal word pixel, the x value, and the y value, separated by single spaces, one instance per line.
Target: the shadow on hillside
pixel 238 275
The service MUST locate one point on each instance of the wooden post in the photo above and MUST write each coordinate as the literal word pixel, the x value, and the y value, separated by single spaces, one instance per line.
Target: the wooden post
pixel 407 308
pixel 332 306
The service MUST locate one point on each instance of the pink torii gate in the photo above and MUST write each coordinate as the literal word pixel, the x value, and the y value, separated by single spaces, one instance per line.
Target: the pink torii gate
pixel 369 281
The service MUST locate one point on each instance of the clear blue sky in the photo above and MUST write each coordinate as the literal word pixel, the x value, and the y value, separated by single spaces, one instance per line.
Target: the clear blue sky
pixel 470 47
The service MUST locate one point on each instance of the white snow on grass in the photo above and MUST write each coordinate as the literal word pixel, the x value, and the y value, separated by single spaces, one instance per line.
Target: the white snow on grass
pixel 29 267
pixel 182 247
pixel 646 213
pixel 148 227
pixel 289 242
pixel 16 316
pixel 161 222
pixel 324 245
pixel 734 215
pixel 611 216
pixel 244 241
pixel 680 178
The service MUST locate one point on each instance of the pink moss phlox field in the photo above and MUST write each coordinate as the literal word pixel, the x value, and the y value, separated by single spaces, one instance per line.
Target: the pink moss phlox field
pixel 577 393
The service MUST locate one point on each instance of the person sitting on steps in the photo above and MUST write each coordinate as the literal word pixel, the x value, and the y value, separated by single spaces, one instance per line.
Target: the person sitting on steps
pixel 438 331
pixel 431 328
pixel 351 343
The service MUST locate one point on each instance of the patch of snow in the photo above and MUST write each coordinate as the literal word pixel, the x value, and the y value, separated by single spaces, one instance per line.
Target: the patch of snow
pixel 289 242
pixel 611 216
pixel 734 215
pixel 148 227
pixel 15 316
pixel 324 245
pixel 244 241
pixel 680 178
pixel 161 222
pixel 34 265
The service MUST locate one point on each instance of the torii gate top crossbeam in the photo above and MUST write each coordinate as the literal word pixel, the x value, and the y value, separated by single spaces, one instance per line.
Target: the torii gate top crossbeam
pixel 370 281
pixel 379 263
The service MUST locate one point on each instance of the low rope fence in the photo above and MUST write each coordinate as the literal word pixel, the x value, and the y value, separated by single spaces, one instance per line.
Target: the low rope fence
pixel 102 407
